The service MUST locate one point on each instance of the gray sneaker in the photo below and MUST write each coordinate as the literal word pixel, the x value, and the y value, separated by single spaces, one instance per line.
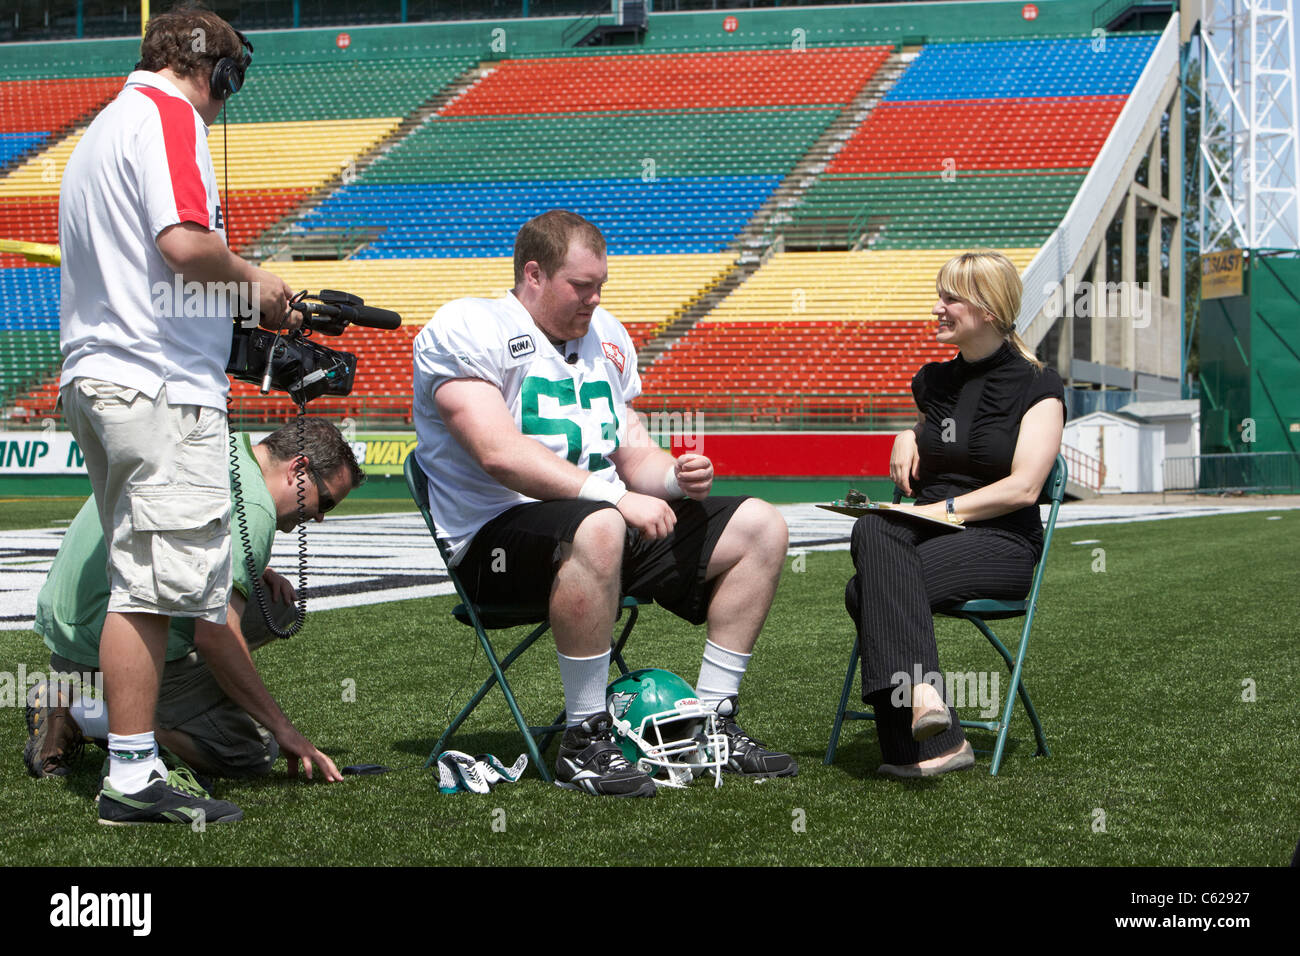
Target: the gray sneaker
pixel 174 799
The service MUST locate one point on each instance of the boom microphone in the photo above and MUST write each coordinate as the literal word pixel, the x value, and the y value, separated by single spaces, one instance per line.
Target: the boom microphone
pixel 350 309
pixel 370 317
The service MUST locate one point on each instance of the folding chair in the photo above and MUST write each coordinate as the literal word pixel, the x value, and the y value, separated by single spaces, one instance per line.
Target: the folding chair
pixel 485 617
pixel 980 612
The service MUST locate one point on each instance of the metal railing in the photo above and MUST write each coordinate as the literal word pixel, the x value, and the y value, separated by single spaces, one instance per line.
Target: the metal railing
pixel 1083 469
pixel 748 411
pixel 1109 10
pixel 579 28
pixel 858 227
pixel 1269 472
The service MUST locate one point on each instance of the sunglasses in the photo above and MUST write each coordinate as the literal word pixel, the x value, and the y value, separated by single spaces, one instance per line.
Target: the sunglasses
pixel 325 500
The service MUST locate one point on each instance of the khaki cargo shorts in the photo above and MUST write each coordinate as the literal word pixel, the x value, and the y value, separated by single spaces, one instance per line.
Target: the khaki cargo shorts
pixel 161 477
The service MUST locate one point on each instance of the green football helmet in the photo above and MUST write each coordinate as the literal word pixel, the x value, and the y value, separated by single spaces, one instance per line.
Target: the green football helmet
pixel 663 729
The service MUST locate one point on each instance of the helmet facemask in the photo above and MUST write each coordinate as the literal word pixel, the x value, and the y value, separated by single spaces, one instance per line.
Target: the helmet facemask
pixel 675 746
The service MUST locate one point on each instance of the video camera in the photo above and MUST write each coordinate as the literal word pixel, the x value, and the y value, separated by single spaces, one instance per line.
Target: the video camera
pixel 291 362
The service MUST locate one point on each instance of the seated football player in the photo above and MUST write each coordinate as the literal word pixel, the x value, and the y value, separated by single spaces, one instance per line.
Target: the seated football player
pixel 213 710
pixel 548 489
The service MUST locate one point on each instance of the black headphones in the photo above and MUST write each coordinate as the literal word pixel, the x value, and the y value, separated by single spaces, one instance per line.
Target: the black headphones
pixel 228 74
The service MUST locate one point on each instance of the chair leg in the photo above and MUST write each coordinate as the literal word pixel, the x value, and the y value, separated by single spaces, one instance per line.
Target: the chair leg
pixel 498 676
pixel 844 705
pixel 1042 750
pixel 550 733
pixel 1015 666
pixel 1005 727
pixel 617 652
pixel 524 729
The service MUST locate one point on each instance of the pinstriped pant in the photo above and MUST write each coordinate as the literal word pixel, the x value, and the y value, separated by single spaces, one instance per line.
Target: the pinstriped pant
pixel 905 569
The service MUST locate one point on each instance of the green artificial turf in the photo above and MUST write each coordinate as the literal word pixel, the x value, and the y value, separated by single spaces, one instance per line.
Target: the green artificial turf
pixel 1137 672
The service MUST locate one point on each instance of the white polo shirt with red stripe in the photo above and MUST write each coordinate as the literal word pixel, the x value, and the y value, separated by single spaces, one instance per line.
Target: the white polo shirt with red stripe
pixel 124 315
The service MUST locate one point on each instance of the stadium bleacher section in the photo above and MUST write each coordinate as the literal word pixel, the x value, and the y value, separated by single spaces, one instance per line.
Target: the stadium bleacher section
pixel 824 325
pixel 675 81
pixel 726 142
pixel 996 132
pixel 682 214
pixel 635 149
pixel 422 167
pixel 997 69
pixel 908 211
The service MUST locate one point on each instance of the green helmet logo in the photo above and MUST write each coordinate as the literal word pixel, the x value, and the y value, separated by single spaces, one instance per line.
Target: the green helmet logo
pixel 663 728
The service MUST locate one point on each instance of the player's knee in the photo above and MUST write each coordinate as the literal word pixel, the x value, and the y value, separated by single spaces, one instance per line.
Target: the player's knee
pixel 765 527
pixel 600 538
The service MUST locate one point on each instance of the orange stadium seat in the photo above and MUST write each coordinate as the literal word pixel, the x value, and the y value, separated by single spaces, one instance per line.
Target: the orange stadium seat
pixel 53 105
pixel 671 81
pixel 1050 133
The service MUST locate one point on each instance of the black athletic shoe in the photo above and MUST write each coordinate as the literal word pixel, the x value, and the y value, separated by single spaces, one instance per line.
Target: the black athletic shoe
pixel 590 760
pixel 748 756
pixel 54 742
pixel 173 799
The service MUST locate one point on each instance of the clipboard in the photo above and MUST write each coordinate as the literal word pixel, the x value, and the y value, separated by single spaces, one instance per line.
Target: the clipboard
pixel 856 510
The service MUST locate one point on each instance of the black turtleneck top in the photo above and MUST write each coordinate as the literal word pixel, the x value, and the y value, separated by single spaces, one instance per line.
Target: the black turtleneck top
pixel 972 420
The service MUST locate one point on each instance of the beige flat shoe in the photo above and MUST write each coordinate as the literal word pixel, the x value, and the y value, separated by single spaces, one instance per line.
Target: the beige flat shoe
pixel 930 714
pixel 963 759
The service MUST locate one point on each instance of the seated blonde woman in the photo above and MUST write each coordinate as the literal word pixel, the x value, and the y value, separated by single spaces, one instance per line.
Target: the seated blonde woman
pixel 988 432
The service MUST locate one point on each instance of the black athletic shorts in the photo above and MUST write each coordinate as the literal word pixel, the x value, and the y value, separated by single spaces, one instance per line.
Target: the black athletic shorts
pixel 513 558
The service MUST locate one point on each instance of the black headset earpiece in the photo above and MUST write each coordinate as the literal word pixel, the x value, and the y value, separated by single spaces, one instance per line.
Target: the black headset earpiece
pixel 228 74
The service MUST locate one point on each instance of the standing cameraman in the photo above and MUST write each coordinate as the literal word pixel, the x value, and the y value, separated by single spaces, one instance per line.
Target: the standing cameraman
pixel 143 387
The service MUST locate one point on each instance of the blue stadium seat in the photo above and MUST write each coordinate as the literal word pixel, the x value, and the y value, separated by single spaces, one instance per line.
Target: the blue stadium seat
pixel 1078 66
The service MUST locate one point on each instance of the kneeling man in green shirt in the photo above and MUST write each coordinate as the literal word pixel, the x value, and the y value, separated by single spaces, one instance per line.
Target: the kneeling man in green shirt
pixel 214 711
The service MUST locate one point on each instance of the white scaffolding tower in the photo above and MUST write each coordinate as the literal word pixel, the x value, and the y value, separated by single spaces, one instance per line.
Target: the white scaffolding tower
pixel 1250 159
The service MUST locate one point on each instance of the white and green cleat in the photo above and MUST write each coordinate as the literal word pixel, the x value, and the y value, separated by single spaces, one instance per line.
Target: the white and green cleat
pixel 173 799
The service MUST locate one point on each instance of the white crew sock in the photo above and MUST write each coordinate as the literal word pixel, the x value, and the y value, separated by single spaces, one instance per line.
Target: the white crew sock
pixel 131 759
pixel 720 674
pixel 584 680
pixel 90 714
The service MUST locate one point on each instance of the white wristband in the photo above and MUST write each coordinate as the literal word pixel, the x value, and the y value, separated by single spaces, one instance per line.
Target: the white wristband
pixel 596 488
pixel 670 484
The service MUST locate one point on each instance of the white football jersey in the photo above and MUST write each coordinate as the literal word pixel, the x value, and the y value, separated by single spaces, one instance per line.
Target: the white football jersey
pixel 578 409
